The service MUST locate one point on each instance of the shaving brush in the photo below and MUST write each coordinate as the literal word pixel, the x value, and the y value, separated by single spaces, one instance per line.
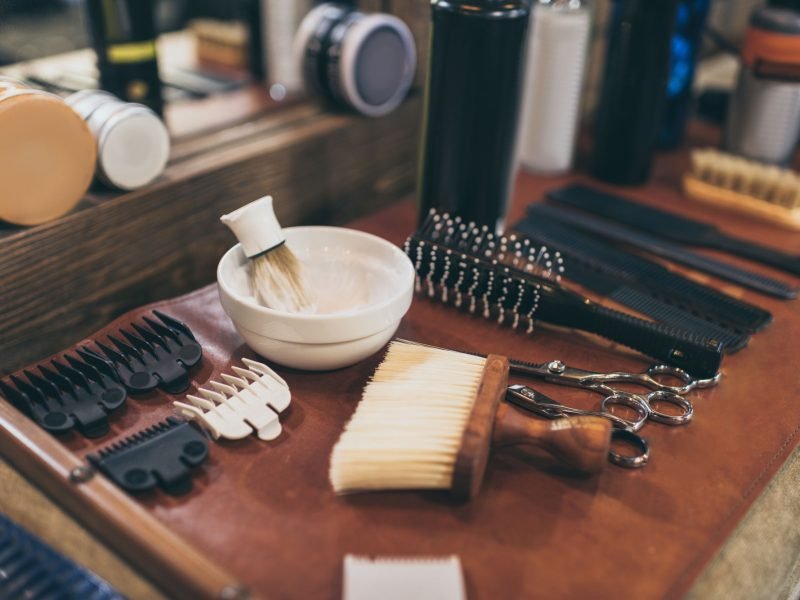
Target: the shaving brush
pixel 276 274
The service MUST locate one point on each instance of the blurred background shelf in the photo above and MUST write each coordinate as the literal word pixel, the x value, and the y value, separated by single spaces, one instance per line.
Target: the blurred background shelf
pixel 119 250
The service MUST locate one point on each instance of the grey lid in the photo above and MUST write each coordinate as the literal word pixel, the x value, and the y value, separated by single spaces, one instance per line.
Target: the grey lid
pixel 779 20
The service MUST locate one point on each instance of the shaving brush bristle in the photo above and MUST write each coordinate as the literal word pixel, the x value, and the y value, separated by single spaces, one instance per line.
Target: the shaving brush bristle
pixel 276 274
pixel 278 281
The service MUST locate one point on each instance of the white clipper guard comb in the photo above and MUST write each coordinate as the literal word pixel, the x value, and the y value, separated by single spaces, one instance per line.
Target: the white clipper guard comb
pixel 241 405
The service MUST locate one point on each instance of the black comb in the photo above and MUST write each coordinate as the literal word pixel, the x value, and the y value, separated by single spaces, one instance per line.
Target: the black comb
pixel 619 291
pixel 162 455
pixel 69 393
pixel 154 354
pixel 31 570
pixel 670 250
pixel 647 276
pixel 461 262
pixel 671 226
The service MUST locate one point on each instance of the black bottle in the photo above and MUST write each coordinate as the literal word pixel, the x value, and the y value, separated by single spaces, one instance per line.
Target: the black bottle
pixel 472 101
pixel 124 38
pixel 634 89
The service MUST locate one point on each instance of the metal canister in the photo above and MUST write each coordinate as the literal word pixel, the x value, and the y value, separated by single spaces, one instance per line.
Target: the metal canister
pixel 132 141
pixel 764 117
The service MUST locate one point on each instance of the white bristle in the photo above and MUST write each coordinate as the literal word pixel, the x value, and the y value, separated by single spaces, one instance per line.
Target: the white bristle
pixel 406 431
pixel 278 281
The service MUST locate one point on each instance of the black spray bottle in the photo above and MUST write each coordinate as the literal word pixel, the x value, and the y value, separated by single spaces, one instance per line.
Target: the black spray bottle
pixel 634 90
pixel 472 101
pixel 124 37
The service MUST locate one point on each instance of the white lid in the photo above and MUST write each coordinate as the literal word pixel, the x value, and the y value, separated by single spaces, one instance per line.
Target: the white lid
pixel 255 226
pixel 132 147
pixel 85 102
pixel 353 51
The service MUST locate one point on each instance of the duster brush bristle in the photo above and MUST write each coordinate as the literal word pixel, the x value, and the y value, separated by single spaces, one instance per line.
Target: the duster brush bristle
pixel 276 274
pixel 407 429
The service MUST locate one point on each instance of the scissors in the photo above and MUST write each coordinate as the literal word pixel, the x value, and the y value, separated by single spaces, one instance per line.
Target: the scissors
pixel 555 371
pixel 624 430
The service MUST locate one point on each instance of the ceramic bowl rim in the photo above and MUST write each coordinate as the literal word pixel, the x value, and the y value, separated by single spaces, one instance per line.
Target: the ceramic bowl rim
pixel 395 297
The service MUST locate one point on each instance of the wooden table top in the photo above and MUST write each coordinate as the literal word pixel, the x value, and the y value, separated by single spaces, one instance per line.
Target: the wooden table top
pixel 265 513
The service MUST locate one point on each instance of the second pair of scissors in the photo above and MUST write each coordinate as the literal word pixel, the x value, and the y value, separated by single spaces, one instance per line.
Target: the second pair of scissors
pixel 559 373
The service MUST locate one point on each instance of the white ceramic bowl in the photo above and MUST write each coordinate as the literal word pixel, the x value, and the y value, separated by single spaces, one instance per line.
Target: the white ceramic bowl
pixel 364 286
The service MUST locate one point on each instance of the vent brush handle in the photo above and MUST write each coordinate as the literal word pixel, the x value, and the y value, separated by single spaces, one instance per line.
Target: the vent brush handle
pixel 696 355
pixel 577 443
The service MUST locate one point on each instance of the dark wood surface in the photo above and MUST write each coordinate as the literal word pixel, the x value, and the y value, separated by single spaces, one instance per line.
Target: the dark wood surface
pixel 534 531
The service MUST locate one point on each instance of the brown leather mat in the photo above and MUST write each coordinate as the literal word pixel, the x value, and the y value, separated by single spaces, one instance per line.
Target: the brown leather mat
pixel 265 511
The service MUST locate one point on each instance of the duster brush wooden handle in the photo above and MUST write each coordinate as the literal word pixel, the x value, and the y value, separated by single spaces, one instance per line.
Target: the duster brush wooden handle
pixel 579 443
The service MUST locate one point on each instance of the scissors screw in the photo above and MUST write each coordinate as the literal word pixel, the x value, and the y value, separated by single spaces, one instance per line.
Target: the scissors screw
pixel 556 366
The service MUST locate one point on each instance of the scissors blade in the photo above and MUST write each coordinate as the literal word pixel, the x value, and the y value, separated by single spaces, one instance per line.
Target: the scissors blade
pixel 534 401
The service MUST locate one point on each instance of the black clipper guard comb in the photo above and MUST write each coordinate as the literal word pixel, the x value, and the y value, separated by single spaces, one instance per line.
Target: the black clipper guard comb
pixel 161 455
pixel 61 396
pixel 156 354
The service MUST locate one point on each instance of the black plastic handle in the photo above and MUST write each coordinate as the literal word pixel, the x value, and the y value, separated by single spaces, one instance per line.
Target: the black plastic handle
pixel 697 355
pixel 694 354
pixel 758 253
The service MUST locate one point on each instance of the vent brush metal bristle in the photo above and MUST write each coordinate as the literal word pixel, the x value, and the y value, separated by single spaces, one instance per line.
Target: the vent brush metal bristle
pixel 466 265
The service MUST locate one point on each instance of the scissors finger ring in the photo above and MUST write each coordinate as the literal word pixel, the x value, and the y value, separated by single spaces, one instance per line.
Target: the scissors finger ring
pixel 629 462
pixel 632 401
pixel 686 414
pixel 689 382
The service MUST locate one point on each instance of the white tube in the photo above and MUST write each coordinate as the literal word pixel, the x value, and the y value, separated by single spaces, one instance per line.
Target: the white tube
pixel 557 49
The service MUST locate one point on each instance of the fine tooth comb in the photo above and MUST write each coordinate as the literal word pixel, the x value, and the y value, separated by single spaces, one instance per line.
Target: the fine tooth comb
pixel 671 226
pixel 461 263
pixel 234 409
pixel 79 394
pixel 428 416
pixel 670 250
pixel 162 455
pixel 156 354
pixel 611 287
pixel 646 276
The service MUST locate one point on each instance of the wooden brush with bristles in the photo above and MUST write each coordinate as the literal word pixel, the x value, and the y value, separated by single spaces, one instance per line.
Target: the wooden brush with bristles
pixel 428 416
pixel 762 191
pixel 276 274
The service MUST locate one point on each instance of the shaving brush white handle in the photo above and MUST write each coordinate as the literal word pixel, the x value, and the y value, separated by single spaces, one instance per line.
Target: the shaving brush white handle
pixel 255 226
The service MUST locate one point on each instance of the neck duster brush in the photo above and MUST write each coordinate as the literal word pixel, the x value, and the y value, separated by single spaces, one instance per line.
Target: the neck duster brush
pixel 428 416
pixel 276 274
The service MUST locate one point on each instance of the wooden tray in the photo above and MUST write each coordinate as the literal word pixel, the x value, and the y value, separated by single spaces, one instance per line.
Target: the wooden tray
pixel 263 516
